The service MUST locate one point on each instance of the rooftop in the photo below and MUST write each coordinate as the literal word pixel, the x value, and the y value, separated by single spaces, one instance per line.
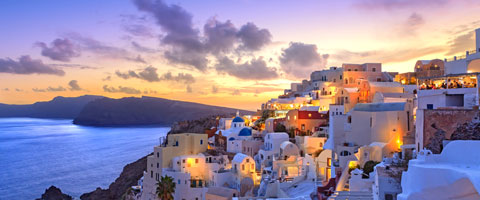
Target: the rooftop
pixel 379 107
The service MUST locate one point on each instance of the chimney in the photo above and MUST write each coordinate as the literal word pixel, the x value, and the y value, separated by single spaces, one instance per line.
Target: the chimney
pixel 477 38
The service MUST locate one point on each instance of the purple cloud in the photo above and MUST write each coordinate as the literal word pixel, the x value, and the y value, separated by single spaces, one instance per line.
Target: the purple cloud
pixel 27 65
pixel 253 38
pixel 255 69
pixel 300 59
pixel 60 49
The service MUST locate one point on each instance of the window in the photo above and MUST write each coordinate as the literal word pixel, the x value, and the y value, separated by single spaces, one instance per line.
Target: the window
pixel 158 165
pixel 201 141
pixel 196 160
pixel 243 167
pixel 373 69
pixel 371 121
pixel 340 77
pixel 345 153
pixel 178 181
pixel 151 174
pixel 355 70
pixel 408 120
pixel 176 143
pixel 379 80
pixel 248 160
pixel 183 161
pixel 309 114
pixel 388 197
pixel 429 106
pixel 158 155
pixel 350 119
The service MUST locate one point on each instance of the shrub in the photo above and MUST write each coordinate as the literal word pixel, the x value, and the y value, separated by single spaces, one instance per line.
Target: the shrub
pixel 368 167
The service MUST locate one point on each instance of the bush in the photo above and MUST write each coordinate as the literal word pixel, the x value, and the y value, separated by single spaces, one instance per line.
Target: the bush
pixel 368 167
pixel 280 128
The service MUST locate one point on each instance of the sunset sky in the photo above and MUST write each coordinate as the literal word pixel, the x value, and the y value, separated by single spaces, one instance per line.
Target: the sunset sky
pixel 228 53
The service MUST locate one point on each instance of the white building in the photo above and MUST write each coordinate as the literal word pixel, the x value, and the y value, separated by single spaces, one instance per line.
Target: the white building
pixel 243 166
pixel 470 62
pixel 453 174
pixel 271 148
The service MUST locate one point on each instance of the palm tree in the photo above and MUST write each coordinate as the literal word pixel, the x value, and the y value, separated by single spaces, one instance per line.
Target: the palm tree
pixel 165 188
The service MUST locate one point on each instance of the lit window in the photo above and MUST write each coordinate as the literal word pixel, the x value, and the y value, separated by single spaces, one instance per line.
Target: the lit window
pixel 309 115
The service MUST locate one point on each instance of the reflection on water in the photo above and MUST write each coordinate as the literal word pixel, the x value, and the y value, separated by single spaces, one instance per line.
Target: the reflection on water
pixel 37 153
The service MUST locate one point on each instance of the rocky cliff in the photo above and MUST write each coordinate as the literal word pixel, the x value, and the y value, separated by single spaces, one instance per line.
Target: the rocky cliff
pixel 145 111
pixel 194 126
pixel 59 107
pixel 53 193
pixel 129 177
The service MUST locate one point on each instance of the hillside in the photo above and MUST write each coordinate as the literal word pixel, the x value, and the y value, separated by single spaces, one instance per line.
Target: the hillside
pixel 59 107
pixel 145 111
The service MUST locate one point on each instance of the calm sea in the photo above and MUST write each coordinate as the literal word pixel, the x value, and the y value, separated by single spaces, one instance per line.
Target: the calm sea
pixel 37 153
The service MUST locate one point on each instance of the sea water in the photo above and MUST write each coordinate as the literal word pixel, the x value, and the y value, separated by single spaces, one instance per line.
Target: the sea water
pixel 38 153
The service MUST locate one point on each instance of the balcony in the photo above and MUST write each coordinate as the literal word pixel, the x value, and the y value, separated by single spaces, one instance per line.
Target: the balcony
pixel 198 183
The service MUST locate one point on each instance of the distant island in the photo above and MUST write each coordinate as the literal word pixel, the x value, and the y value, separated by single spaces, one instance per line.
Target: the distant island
pixel 134 111
pixel 90 110
pixel 59 107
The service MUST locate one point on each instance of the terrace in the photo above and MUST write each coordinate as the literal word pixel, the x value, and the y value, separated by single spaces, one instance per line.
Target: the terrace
pixel 451 81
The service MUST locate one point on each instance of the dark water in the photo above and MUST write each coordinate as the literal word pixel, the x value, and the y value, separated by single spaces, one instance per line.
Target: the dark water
pixel 37 153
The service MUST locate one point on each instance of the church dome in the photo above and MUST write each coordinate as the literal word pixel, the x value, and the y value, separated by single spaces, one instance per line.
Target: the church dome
pixel 238 119
pixel 245 132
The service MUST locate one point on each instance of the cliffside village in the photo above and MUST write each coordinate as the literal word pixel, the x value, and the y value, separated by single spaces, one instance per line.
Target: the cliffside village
pixel 349 132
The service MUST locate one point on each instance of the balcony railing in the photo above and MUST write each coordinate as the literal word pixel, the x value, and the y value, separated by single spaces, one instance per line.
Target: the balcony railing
pixel 461 57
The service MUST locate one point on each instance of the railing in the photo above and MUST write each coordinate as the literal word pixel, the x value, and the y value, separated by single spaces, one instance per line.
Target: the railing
pixel 454 58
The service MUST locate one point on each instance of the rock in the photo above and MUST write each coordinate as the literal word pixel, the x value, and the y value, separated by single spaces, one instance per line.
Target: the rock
pixel 53 193
pixel 134 111
pixel 59 107
pixel 194 126
pixel 129 177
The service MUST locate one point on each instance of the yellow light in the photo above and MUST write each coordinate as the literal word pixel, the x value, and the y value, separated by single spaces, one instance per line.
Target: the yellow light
pixel 403 82
pixel 399 143
pixel 352 164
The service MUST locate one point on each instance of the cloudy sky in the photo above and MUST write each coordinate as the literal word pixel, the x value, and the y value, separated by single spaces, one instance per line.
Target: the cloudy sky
pixel 229 53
